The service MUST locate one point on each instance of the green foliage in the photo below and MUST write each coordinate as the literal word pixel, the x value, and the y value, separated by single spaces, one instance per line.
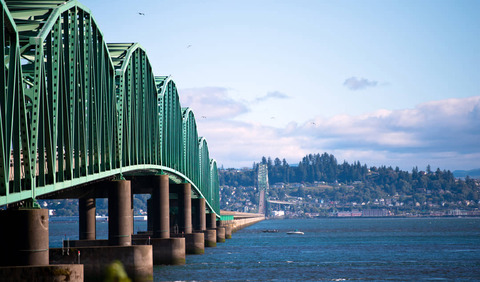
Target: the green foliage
pixel 437 188
pixel 116 273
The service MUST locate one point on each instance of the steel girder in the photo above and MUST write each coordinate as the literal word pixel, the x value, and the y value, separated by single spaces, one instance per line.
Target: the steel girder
pixel 74 109
pixel 215 196
pixel 15 168
pixel 171 125
pixel 204 159
pixel 136 95
pixel 191 153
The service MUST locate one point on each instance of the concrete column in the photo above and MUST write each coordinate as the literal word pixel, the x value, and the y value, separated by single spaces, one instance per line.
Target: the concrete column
pixel 220 234
pixel 86 217
pixel 24 237
pixel 210 237
pixel 212 220
pixel 227 224
pixel 161 207
pixel 195 243
pixel 137 261
pixel 228 232
pixel 200 215
pixel 186 208
pixel 149 215
pixel 132 213
pixel 211 233
pixel 120 214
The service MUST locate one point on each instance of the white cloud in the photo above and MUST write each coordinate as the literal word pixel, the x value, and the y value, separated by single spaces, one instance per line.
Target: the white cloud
pixel 239 144
pixel 448 127
pixel 211 102
pixel 354 83
pixel 272 95
pixel 441 133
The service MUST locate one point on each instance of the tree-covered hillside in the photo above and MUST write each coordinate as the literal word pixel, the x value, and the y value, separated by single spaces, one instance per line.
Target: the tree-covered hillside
pixel 357 183
pixel 321 179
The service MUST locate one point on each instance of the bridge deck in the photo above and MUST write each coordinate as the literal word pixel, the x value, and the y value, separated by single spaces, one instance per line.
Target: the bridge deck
pixel 76 109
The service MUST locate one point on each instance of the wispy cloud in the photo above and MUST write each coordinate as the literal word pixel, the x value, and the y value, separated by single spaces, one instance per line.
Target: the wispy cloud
pixel 441 133
pixel 239 144
pixel 212 102
pixel 354 83
pixel 272 95
pixel 420 135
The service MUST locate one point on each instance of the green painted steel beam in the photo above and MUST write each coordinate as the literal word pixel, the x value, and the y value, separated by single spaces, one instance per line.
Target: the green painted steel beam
pixel 75 109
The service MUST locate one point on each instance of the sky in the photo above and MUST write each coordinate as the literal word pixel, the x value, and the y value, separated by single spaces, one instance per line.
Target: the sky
pixel 393 83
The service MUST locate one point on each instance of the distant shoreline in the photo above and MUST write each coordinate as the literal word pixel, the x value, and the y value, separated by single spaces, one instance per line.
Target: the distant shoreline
pixel 377 217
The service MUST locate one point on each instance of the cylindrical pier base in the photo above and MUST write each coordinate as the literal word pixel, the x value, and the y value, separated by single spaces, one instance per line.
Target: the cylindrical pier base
pixel 24 237
pixel 211 220
pixel 210 238
pixel 228 232
pixel 160 207
pixel 168 251
pixel 137 261
pixel 199 217
pixel 120 214
pixel 186 208
pixel 52 272
pixel 150 215
pixel 86 218
pixel 195 243
pixel 220 234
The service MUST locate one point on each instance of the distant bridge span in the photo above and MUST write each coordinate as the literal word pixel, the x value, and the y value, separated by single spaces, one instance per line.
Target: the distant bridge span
pixel 75 109
pixel 280 202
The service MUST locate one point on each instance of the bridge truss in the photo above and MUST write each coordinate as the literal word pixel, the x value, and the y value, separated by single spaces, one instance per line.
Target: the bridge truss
pixel 262 178
pixel 74 109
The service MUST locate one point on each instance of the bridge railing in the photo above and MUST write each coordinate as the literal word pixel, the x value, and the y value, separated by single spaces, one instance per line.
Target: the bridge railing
pixel 75 109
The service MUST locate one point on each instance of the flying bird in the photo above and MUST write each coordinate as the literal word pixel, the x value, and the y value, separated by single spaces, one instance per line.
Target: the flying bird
pixel 189 46
pixel 204 117
pixel 141 14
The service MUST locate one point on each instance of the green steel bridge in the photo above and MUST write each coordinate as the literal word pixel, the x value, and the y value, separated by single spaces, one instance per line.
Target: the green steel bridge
pixel 75 110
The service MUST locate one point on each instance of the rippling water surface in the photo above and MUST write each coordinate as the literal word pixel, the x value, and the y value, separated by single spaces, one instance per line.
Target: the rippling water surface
pixel 337 250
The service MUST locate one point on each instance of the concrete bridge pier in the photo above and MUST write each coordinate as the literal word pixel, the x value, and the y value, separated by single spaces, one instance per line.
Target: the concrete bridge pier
pixel 150 216
pixel 194 242
pixel 97 255
pixel 200 223
pixel 199 215
pixel 212 224
pixel 160 207
pixel 86 218
pixel 24 237
pixel 24 250
pixel 166 250
pixel 211 220
pixel 220 234
pixel 120 214
pixel 185 202
pixel 211 232
pixel 228 228
pixel 228 232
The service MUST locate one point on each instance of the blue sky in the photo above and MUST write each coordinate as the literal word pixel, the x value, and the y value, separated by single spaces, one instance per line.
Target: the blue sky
pixel 383 82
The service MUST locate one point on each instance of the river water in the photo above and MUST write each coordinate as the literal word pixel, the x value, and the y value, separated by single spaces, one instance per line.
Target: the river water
pixel 332 249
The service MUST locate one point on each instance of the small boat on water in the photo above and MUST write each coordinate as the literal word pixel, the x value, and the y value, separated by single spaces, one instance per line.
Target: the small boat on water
pixel 270 231
pixel 101 217
pixel 296 232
